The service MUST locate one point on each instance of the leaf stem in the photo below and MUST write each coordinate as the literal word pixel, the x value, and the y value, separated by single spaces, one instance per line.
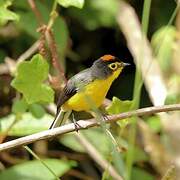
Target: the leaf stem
pixel 43 163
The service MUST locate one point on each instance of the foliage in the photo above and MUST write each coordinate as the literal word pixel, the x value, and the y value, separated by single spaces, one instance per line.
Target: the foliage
pixel 5 14
pixel 118 106
pixel 96 13
pixel 29 81
pixel 70 141
pixel 75 3
pixel 163 41
pixel 33 170
pixel 21 128
pixel 80 32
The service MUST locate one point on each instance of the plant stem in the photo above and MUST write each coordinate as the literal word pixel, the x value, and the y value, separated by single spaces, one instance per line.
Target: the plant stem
pixel 39 159
pixel 137 91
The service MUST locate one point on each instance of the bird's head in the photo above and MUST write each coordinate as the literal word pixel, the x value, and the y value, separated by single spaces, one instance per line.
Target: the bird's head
pixel 106 66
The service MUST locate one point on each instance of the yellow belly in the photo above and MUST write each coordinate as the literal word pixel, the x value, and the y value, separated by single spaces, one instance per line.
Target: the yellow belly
pixel 91 95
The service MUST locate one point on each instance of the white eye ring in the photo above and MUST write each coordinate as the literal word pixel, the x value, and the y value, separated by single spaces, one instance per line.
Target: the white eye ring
pixel 113 66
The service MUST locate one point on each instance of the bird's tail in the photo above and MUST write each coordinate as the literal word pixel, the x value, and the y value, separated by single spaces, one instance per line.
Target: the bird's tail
pixel 60 118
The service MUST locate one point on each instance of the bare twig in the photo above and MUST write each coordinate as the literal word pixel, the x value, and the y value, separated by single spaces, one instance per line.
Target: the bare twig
pixel 85 124
pixel 53 48
pixel 47 34
pixel 36 11
pixel 28 52
pixel 6 68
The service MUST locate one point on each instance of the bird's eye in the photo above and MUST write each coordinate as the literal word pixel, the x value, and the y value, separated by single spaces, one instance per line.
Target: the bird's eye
pixel 113 66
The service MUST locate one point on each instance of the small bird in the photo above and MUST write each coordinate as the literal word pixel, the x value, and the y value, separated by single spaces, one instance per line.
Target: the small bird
pixel 87 88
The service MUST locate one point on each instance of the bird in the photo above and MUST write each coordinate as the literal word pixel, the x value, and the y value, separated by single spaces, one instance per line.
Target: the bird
pixel 88 88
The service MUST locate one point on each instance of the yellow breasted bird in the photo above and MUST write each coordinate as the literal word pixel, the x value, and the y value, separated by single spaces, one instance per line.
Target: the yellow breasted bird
pixel 93 82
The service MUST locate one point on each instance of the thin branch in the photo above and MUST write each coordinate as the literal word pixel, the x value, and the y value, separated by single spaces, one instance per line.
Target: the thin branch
pixel 28 52
pixel 142 53
pixel 92 151
pixel 53 49
pixel 83 124
pixel 36 11
pixel 97 156
pixel 53 15
pixel 47 34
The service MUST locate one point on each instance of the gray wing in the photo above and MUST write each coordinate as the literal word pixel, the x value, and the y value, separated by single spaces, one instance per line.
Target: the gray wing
pixel 73 85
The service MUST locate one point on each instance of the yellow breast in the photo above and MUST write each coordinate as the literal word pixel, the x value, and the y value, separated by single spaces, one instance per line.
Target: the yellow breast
pixel 91 95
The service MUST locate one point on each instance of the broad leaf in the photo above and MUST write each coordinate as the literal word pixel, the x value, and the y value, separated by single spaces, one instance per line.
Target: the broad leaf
pixel 75 3
pixel 70 141
pixel 29 81
pixel 61 35
pixel 19 106
pixel 118 106
pixel 5 14
pixel 37 110
pixel 25 126
pixel 96 13
pixel 138 173
pixel 154 123
pixel 35 170
pixel 163 42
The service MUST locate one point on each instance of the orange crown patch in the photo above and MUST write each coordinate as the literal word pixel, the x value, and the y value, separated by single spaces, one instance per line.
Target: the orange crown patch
pixel 107 57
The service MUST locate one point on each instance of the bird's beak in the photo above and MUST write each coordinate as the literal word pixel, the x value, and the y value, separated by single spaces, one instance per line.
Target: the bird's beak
pixel 125 64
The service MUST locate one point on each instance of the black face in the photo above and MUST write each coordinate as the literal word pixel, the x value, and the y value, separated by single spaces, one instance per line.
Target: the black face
pixel 102 69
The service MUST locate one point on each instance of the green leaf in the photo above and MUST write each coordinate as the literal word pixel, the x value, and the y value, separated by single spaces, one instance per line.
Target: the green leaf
pixel 61 35
pixel 162 42
pixel 37 110
pixel 28 16
pixel 75 3
pixel 92 135
pixel 154 123
pixel 29 81
pixel 139 155
pixel 19 106
pixel 173 95
pixel 70 141
pixel 138 173
pixel 118 106
pixel 28 124
pixel 5 14
pixel 60 29
pixel 96 13
pixel 34 170
pixel 171 99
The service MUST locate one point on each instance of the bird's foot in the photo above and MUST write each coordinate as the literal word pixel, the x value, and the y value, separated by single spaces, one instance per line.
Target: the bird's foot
pixel 105 117
pixel 76 125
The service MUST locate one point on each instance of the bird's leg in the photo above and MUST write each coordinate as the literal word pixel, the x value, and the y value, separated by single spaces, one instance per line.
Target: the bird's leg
pixel 76 125
pixel 104 116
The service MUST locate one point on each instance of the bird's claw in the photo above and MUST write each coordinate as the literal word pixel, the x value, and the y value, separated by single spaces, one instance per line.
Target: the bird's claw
pixel 77 126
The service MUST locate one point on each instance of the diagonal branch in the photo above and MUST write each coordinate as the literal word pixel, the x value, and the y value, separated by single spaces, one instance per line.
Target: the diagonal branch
pixel 140 49
pixel 83 124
